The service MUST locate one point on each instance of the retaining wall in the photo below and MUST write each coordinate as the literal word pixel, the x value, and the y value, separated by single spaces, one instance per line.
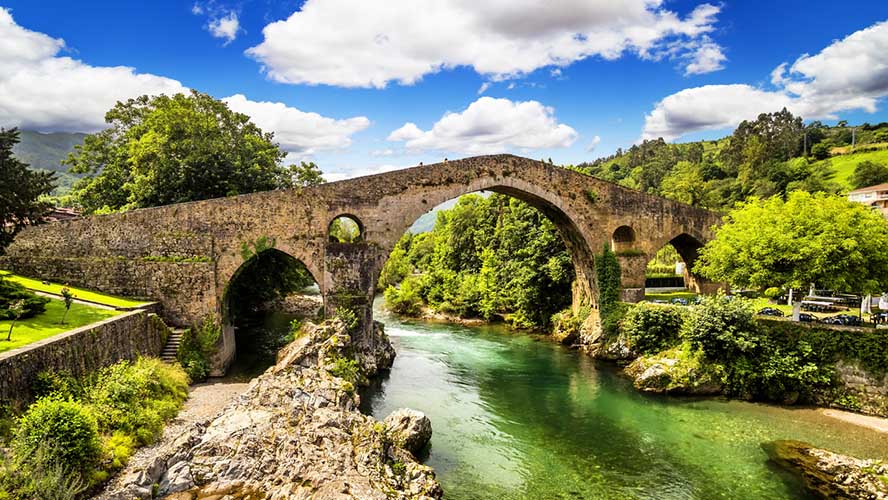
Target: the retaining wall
pixel 80 351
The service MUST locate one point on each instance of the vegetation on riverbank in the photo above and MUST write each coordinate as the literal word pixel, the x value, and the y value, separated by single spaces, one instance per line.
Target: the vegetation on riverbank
pixel 486 257
pixel 80 430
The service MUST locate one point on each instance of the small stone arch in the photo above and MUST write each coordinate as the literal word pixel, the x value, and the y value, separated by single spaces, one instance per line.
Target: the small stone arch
pixel 345 228
pixel 623 239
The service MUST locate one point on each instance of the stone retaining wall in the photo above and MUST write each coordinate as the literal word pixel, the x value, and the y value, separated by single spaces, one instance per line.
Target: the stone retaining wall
pixel 80 351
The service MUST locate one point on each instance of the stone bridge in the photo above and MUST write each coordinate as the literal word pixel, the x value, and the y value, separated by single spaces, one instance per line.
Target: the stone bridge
pixel 185 255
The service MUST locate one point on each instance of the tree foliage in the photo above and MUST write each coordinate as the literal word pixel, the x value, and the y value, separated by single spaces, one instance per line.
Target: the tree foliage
pixel 169 149
pixel 21 190
pixel 485 256
pixel 868 173
pixel 821 239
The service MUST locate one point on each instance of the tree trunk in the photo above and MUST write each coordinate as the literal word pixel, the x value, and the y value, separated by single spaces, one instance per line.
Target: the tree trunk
pixel 9 333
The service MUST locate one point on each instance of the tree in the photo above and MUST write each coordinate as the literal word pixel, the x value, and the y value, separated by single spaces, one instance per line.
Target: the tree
pixel 160 150
pixel 17 309
pixel 809 238
pixel 69 299
pixel 868 173
pixel 302 175
pixel 686 184
pixel 20 190
pixel 820 151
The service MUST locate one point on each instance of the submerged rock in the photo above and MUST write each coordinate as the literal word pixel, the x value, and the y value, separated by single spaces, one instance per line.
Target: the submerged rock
pixel 409 429
pixel 830 475
pixel 295 433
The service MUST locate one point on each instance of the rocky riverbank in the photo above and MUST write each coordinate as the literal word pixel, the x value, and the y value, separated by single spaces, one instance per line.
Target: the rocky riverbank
pixel 829 475
pixel 294 433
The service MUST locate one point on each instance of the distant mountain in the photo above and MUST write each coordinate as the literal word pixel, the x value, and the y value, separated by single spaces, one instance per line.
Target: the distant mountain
pixel 46 152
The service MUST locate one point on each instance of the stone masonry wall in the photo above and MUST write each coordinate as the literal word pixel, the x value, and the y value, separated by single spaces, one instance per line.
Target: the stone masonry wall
pixel 80 352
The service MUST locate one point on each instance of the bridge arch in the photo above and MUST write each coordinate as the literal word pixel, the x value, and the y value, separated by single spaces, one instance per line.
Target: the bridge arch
pixel 345 228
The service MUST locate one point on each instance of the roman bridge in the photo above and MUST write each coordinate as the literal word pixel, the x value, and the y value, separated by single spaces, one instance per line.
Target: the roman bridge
pixel 185 255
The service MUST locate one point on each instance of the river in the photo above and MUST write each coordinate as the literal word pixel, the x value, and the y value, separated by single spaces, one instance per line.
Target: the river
pixel 518 417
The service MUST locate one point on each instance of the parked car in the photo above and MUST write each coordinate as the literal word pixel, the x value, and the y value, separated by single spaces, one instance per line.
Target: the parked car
pixel 807 318
pixel 842 319
pixel 880 318
pixel 771 311
pixel 680 301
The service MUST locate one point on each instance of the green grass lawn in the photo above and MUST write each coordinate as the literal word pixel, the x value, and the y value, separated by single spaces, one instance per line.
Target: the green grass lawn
pixel 47 324
pixel 79 293
pixel 844 164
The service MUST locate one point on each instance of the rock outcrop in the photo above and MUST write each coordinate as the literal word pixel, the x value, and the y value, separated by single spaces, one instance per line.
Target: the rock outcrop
pixel 675 372
pixel 830 475
pixel 409 429
pixel 295 433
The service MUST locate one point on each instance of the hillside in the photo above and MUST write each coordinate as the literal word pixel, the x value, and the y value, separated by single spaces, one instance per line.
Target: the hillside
pixel 46 152
pixel 775 154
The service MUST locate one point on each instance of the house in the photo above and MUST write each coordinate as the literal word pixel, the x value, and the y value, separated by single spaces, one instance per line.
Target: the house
pixel 874 196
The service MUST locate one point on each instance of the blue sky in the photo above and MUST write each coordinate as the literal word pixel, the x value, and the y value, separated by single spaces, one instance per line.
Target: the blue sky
pixel 347 75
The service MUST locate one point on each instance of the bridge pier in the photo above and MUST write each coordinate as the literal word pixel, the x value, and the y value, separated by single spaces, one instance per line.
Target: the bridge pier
pixel 632 276
pixel 350 281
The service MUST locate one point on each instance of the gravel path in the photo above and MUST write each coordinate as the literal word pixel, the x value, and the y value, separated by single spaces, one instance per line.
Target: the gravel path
pixel 204 402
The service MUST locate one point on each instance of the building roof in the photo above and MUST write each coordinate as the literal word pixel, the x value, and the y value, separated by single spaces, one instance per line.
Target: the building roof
pixel 877 187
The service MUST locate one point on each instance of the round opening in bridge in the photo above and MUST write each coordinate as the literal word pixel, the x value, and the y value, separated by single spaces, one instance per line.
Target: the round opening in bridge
pixel 668 275
pixel 345 229
pixel 266 301
pixel 623 239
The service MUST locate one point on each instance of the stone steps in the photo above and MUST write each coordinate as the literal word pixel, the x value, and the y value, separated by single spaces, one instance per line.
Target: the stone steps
pixel 168 354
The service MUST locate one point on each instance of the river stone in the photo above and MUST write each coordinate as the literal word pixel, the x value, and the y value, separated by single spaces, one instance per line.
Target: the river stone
pixel 295 433
pixel 409 429
pixel 830 475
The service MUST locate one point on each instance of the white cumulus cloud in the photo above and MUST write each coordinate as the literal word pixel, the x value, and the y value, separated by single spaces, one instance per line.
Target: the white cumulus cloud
pixel 369 43
pixel 299 131
pixel 225 27
pixel 39 89
pixel 490 125
pixel 593 144
pixel 849 74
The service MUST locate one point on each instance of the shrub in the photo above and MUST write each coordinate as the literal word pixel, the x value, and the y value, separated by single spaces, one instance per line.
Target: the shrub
pixel 722 327
pixel 344 368
pixel 64 432
pixel 136 398
pixel 651 328
pixel 11 292
pixel 197 348
pixel 772 293
pixel 348 317
pixel 405 299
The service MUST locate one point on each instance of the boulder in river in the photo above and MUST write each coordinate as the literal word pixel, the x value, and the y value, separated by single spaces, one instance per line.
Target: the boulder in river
pixel 409 429
pixel 830 475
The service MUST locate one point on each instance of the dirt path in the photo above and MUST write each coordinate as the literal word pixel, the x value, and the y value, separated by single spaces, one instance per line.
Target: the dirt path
pixel 204 401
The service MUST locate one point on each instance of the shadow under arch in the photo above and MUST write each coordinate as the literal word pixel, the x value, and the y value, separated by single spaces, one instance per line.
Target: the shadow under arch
pixel 268 275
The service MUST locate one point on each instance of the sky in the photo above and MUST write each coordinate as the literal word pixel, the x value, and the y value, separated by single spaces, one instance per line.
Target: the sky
pixel 365 86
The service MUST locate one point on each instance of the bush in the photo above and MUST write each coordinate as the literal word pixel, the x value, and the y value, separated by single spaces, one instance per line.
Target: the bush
pixel 64 432
pixel 723 327
pixel 405 299
pixel 651 328
pixel 11 292
pixel 772 292
pixel 197 348
pixel 136 398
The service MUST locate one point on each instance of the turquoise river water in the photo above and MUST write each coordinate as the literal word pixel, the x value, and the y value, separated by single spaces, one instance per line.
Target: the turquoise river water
pixel 518 417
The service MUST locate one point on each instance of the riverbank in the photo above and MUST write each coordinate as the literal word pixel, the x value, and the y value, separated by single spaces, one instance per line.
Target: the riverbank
pixel 519 417
pixel 295 432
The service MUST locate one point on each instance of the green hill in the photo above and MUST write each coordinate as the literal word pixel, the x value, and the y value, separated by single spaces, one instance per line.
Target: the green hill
pixel 46 152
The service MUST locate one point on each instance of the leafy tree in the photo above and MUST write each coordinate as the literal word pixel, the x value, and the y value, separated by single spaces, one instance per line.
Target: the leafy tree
pixel 820 151
pixel 809 238
pixel 607 270
pixel 69 299
pixel 302 175
pixel 687 184
pixel 868 173
pixel 20 190
pixel 344 230
pixel 169 149
pixel 16 309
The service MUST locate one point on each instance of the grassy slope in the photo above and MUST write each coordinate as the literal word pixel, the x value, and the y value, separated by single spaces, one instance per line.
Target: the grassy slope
pixel 79 293
pixel 844 164
pixel 48 324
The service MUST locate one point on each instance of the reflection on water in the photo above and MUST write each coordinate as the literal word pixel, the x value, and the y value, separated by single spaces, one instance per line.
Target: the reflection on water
pixel 518 417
